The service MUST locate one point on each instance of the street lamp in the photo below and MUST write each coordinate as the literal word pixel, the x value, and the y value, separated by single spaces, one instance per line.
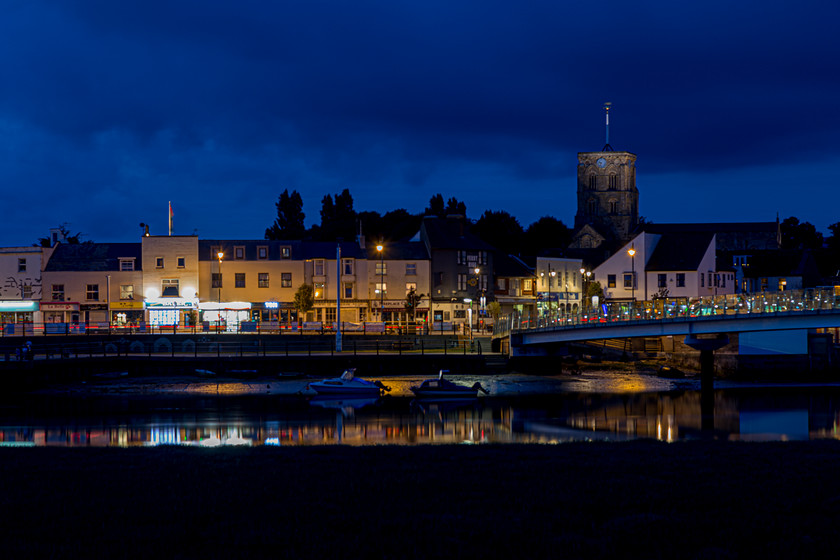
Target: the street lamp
pixel 551 273
pixel 477 272
pixel 219 311
pixel 632 252
pixel 380 248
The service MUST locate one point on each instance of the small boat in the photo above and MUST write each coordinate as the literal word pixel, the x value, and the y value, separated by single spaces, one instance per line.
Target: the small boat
pixel 205 373
pixel 348 384
pixel 443 388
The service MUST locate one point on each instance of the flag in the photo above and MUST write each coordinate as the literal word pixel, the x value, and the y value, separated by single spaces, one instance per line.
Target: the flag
pixel 170 217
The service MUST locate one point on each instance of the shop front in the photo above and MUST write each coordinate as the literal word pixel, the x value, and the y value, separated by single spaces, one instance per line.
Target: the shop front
pixel 171 311
pixel 227 315
pixel 94 313
pixel 126 313
pixel 17 312
pixel 60 316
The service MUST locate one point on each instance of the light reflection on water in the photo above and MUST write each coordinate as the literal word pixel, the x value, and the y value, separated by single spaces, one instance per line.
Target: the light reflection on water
pixel 772 413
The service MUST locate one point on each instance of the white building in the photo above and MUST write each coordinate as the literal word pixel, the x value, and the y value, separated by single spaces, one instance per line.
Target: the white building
pixel 21 284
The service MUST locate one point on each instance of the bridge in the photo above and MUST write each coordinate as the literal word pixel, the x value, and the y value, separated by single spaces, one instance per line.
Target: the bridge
pixel 714 315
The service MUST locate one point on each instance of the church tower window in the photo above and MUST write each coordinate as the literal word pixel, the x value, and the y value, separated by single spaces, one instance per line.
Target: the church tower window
pixel 592 182
pixel 613 181
pixel 592 207
pixel 613 206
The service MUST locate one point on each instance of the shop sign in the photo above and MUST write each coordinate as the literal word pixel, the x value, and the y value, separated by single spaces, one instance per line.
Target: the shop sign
pixel 94 307
pixel 390 304
pixel 59 306
pixel 126 305
pixel 170 303
pixel 22 306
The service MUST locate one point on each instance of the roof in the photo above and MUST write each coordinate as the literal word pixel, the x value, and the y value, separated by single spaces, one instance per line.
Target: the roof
pixel 509 266
pixel 93 257
pixel 451 233
pixel 679 251
pixel 300 250
pixel 780 262
pixel 763 227
pixel 400 251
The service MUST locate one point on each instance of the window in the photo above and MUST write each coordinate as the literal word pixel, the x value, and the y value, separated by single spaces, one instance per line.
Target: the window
pixel 613 207
pixel 613 181
pixel 702 278
pixel 592 182
pixel 764 284
pixel 158 262
pixel 628 280
pixel 723 281
pixel 319 290
pixel 460 313
pixel 26 291
pixel 58 292
pixel 501 284
pixel 528 286
pixel 285 252
pixel 462 281
pixel 169 287
pixel 319 267
pixel 330 315
pixel 410 286
pixel 262 279
pixel 381 288
pixel 216 280
pixel 680 279
pixel 126 291
pixel 126 265
pixel 438 278
pixel 462 257
pixel 239 280
pixel 348 290
pixel 347 265
pixel 182 262
pixel 238 253
pixel 411 269
pixel 285 279
pixel 21 265
pixel 262 253
pixel 661 280
pixel 92 292
pixel 610 280
pixel 592 206
pixel 381 268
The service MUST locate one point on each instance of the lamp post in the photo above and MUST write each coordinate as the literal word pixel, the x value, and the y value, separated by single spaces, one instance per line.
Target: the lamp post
pixel 477 272
pixel 585 275
pixel 219 311
pixel 632 252
pixel 380 248
pixel 551 273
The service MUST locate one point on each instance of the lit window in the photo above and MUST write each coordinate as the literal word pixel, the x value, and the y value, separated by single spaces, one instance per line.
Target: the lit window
pixel 285 279
pixel 285 252
pixel 26 290
pixel 410 286
pixel 262 279
pixel 381 288
pixel 319 290
pixel 782 284
pixel 127 291
pixel 169 287
pixel 381 268
pixel 610 280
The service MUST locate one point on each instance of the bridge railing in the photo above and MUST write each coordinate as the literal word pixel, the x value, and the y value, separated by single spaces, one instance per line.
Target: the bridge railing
pixel 789 301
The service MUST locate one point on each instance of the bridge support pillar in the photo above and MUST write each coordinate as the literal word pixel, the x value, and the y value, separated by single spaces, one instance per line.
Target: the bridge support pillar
pixel 707 347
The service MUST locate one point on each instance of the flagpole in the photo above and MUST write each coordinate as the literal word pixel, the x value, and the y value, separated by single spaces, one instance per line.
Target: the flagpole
pixel 170 217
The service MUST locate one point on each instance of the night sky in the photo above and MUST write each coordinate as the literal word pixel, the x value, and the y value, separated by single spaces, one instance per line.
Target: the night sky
pixel 108 110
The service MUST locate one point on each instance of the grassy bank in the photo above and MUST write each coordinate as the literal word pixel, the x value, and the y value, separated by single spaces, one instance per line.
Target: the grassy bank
pixel 700 499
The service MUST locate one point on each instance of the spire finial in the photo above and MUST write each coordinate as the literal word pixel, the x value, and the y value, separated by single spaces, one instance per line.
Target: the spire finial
pixel 607 111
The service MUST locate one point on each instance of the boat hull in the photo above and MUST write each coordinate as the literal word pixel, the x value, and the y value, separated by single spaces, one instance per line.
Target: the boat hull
pixel 328 389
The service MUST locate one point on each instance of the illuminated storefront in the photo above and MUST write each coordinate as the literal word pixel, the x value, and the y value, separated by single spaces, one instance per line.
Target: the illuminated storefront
pixel 60 311
pixel 126 312
pixel 171 311
pixel 228 314
pixel 21 311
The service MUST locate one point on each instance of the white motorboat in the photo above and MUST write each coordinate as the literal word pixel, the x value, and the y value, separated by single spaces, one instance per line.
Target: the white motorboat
pixel 442 388
pixel 348 384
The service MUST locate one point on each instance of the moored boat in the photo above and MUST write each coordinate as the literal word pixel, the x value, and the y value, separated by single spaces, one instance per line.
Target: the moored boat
pixel 443 388
pixel 348 384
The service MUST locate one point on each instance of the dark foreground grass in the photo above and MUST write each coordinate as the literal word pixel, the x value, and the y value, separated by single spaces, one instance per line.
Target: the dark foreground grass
pixel 627 500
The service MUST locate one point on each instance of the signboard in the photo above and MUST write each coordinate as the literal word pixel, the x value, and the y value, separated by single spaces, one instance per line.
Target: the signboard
pixel 126 305
pixel 59 306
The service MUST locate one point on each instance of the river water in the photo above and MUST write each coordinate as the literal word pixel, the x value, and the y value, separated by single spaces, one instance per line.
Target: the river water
pixel 595 406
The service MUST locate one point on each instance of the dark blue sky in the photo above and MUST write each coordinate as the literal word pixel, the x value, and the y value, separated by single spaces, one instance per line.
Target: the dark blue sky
pixel 108 110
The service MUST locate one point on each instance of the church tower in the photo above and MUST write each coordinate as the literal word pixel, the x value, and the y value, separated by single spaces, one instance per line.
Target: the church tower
pixel 607 198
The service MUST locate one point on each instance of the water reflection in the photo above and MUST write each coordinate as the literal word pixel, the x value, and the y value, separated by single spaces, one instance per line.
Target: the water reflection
pixel 740 414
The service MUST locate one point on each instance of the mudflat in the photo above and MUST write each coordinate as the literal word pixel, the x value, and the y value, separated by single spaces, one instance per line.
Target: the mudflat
pixel 639 499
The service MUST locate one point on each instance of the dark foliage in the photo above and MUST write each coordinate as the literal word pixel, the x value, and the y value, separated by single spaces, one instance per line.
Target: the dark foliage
pixel 289 222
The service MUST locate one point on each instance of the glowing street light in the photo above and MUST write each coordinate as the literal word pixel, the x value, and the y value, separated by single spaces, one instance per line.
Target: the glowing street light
pixel 380 248
pixel 632 252
pixel 221 255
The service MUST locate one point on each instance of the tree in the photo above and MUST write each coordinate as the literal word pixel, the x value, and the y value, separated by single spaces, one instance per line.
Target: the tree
pixel 546 233
pixel 338 219
pixel 499 229
pixel 436 207
pixel 494 309
pixel 454 206
pixel 290 216
pixel 64 236
pixel 412 300
pixel 796 235
pixel 304 299
pixel 593 289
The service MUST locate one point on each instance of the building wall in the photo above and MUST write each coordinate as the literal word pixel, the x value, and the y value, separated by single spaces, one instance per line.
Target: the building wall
pixel 607 203
pixel 170 248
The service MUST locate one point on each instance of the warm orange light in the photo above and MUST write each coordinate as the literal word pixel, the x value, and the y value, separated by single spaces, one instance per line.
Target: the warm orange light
pixel 220 255
pixel 379 248
pixel 631 251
